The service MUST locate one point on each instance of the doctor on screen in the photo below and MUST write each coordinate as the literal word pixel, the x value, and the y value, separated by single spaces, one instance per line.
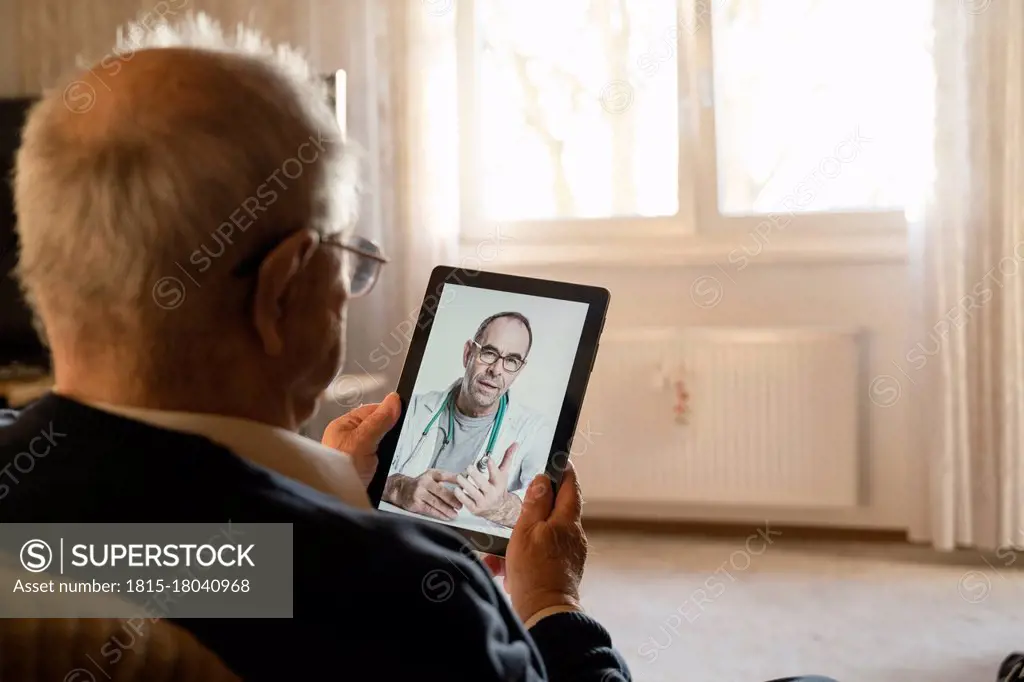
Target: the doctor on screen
pixel 471 448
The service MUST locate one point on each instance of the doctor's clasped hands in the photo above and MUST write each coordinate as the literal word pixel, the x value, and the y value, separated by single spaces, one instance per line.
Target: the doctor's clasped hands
pixel 425 494
pixel 441 494
pixel 486 494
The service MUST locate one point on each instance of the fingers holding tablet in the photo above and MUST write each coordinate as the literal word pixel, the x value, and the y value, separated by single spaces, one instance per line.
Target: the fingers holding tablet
pixel 548 549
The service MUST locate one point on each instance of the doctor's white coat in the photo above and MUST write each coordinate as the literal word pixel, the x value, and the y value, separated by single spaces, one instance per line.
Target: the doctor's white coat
pixel 521 425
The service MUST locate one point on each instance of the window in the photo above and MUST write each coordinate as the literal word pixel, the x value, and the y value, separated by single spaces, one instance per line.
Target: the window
pixel 683 116
pixel 563 134
pixel 827 88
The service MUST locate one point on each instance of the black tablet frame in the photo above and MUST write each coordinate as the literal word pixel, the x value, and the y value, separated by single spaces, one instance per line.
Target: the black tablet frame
pixel 597 299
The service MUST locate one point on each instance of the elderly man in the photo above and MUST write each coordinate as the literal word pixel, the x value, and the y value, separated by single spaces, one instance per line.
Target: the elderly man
pixel 468 450
pixel 181 241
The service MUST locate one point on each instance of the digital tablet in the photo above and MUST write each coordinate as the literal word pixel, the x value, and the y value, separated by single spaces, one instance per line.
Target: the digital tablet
pixel 491 393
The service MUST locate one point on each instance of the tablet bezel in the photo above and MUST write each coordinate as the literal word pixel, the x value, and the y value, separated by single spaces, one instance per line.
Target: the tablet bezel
pixel 597 299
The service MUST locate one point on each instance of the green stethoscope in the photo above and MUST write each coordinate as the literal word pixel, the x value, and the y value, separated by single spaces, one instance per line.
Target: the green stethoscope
pixel 449 404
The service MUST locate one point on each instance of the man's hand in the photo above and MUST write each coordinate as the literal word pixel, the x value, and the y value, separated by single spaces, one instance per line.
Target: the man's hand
pixel 426 494
pixel 545 556
pixel 359 432
pixel 486 495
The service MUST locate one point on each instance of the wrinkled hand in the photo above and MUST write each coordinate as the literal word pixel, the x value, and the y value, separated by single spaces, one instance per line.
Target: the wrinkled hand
pixel 486 495
pixel 547 551
pixel 426 494
pixel 359 432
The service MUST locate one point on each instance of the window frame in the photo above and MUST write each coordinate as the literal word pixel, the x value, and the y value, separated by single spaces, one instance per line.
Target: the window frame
pixel 698 230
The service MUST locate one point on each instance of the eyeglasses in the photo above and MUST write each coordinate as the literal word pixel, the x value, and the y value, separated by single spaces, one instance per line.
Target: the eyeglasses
pixel 361 262
pixel 489 356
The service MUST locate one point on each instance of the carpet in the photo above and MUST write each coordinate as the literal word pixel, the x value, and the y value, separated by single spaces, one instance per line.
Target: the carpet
pixel 759 607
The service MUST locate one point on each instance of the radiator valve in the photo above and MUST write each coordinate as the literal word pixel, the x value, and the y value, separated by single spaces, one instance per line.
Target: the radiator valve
pixel 681 408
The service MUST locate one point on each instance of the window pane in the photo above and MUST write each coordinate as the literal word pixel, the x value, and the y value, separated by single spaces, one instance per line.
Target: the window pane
pixel 821 105
pixel 578 112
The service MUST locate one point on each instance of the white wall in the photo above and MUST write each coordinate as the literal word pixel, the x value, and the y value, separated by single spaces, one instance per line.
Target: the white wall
pixel 40 39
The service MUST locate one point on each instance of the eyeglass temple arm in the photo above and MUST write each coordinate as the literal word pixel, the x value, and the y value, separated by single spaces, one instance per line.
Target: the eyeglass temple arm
pixel 379 257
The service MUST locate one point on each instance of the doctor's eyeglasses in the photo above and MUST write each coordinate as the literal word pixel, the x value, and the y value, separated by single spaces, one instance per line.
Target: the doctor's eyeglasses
pixel 489 356
pixel 361 262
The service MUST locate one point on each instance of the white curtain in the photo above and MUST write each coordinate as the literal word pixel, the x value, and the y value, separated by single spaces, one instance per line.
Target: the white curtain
pixel 967 351
pixel 426 131
pixel 402 104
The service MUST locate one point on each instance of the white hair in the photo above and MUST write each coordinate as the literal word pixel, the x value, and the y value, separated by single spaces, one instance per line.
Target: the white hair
pixel 104 217
pixel 311 88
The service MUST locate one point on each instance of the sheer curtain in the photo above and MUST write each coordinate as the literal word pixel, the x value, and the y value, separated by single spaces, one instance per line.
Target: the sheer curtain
pixel 967 242
pixel 401 109
pixel 427 143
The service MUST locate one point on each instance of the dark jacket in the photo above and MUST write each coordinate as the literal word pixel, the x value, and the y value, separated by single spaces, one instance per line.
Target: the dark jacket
pixel 360 611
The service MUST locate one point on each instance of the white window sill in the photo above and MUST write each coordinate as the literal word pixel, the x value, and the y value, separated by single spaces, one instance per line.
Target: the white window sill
pixel 736 251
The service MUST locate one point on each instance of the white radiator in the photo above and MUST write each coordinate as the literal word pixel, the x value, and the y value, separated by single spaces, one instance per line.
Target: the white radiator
pixel 771 418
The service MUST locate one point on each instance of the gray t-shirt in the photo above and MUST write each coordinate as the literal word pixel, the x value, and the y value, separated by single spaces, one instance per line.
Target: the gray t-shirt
pixel 466 444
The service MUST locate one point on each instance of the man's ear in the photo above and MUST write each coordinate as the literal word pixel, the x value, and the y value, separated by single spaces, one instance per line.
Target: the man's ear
pixel 467 353
pixel 275 284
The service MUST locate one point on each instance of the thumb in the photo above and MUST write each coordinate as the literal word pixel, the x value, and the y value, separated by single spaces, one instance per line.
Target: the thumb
pixel 381 420
pixel 537 502
pixel 569 504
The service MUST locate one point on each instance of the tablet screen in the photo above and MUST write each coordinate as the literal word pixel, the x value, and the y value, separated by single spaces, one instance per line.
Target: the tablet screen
pixel 481 420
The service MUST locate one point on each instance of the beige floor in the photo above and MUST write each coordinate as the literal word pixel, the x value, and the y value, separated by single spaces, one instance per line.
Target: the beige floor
pixel 743 609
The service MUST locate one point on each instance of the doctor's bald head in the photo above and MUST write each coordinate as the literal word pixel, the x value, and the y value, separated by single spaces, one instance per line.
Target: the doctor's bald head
pixel 495 357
